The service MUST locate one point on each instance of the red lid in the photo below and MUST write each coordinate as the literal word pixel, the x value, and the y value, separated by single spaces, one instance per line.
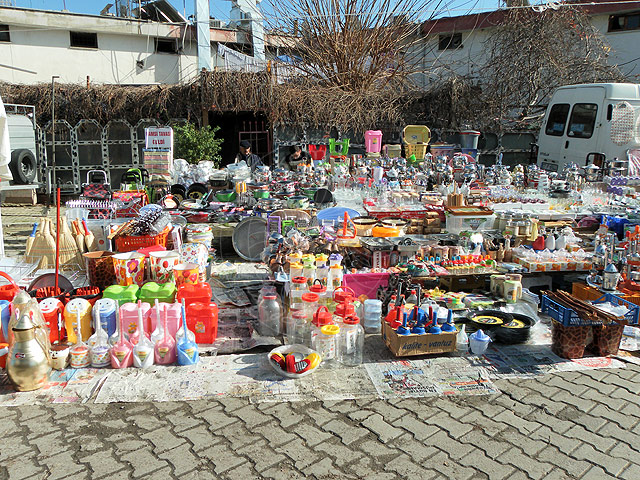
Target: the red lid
pixel 299 279
pixel 345 309
pixel 322 317
pixel 413 292
pixel 351 320
pixel 269 297
pixel 341 297
pixel 310 297
pixel 317 287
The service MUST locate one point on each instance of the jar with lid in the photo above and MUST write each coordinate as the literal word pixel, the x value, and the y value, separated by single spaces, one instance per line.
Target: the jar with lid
pixel 298 329
pixel 326 344
pixel 340 294
pixel 294 257
pixel 527 227
pixel 335 259
pixel 520 228
pixel 309 271
pixel 372 316
pixel 270 316
pixel 324 298
pixel 310 304
pixel 510 228
pixel 343 310
pixel 351 342
pixel 298 288
pixel 295 269
pixel 504 219
pixel 321 260
pixel 321 318
pixel 322 274
pixel 335 276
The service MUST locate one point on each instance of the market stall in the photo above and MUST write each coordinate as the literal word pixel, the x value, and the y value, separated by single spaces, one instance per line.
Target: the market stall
pixel 432 254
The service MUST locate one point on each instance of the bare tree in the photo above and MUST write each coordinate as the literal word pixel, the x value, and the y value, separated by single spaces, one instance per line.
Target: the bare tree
pixel 354 45
pixel 532 53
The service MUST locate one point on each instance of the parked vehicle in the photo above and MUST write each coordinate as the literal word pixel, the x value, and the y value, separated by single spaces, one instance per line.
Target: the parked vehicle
pixel 22 139
pixel 591 122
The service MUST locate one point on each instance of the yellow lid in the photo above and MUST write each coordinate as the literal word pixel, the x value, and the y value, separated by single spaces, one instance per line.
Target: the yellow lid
pixel 295 255
pixel 336 267
pixel 330 329
pixel 295 265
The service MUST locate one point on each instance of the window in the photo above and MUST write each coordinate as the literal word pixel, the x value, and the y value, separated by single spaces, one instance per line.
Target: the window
pixel 628 21
pixel 164 45
pixel 83 40
pixel 557 119
pixel 583 119
pixel 4 33
pixel 450 42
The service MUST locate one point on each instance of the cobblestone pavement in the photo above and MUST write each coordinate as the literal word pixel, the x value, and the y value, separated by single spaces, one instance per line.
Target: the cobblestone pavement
pixel 583 425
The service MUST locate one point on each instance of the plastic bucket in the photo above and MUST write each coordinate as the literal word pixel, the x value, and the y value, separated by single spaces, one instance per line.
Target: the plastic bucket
pixel 393 151
pixel 469 139
pixel 318 152
pixel 373 141
pixel 442 150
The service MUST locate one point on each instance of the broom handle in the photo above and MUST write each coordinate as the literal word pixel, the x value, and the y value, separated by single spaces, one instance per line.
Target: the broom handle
pixel 57 237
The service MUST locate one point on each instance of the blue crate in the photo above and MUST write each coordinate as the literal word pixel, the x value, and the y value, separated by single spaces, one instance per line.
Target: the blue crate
pixel 569 318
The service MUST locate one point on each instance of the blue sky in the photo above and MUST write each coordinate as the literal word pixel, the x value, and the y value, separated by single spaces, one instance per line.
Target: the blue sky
pixel 221 8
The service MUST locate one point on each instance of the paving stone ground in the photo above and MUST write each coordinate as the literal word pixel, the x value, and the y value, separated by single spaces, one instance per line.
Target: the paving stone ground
pixel 574 425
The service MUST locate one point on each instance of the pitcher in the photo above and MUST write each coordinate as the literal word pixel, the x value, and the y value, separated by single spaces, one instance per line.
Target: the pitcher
pixel 28 363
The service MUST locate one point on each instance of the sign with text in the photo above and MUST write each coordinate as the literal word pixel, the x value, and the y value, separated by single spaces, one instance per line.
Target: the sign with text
pixel 159 137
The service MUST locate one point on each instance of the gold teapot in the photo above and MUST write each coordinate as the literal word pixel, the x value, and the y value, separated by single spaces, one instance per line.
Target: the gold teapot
pixel 28 363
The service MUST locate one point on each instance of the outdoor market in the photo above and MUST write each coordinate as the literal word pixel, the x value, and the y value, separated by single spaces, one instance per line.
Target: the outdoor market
pixel 410 270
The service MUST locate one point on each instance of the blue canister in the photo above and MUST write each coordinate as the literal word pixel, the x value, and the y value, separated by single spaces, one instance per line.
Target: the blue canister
pixel 5 316
pixel 107 308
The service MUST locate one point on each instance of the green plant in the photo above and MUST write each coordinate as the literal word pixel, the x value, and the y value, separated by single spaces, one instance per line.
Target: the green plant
pixel 196 144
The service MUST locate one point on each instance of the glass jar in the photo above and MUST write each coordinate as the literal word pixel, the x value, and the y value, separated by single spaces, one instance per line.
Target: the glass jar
pixel 270 316
pixel 351 342
pixel 298 329
pixel 504 219
pixel 323 294
pixel 298 288
pixel 326 344
pixel 310 304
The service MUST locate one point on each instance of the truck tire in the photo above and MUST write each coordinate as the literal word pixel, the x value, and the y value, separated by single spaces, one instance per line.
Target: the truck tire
pixel 23 166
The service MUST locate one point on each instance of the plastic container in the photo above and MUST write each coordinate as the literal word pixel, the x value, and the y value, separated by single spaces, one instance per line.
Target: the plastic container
pixel 324 297
pixel 295 269
pixel 129 318
pixel 469 139
pixel 326 344
pixel 200 292
pixel 73 308
pixel 310 304
pixel 318 152
pixel 414 134
pixel 298 288
pixel 5 316
pixel 372 319
pixel 335 277
pixel 322 275
pixel 342 311
pixel 173 317
pixel 442 150
pixel 130 243
pixel 351 342
pixel 270 317
pixel 301 353
pixel 202 319
pixel 373 141
pixel 393 151
pixel 163 292
pixel 320 318
pixel 105 308
pixel 51 308
pixel 479 342
pixel 122 294
pixel 309 272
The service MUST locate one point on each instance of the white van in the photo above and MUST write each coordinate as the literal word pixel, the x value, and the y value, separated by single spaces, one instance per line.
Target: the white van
pixel 583 120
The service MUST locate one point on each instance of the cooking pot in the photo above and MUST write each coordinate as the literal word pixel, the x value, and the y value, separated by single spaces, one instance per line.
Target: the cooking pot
pixel 226 195
pixel 298 202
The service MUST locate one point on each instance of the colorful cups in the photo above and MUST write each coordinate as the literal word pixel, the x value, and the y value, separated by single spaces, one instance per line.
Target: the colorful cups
pixel 162 265
pixel 186 273
pixel 100 268
pixel 196 253
pixel 129 268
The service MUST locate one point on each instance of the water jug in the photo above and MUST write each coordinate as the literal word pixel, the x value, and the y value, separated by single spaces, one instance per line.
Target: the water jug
pixel 28 361
pixel 52 308
pixel 202 319
pixel 105 308
pixel 78 308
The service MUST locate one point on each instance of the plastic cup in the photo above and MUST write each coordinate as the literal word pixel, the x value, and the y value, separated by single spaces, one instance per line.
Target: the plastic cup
pixel 129 268
pixel 162 265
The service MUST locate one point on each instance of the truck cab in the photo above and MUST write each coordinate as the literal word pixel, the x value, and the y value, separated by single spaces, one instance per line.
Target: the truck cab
pixel 588 121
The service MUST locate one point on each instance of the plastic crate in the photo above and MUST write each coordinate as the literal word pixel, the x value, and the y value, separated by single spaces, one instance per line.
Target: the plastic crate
pixel 130 243
pixel 568 317
pixel 418 149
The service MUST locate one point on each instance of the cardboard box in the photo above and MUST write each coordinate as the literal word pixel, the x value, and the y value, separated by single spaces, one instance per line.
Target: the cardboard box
pixel 407 345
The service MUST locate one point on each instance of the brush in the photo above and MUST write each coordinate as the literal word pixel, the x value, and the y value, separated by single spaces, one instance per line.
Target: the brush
pixel 89 238
pixel 30 239
pixel 80 241
pixel 39 242
pixel 69 255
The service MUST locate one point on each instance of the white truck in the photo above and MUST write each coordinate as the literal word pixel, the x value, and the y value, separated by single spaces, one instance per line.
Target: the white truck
pixel 590 122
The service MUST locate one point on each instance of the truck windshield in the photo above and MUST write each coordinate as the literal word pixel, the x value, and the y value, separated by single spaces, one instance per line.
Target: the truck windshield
pixel 557 119
pixel 583 119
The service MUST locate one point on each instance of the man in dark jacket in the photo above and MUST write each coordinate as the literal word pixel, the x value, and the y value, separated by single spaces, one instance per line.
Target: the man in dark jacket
pixel 252 160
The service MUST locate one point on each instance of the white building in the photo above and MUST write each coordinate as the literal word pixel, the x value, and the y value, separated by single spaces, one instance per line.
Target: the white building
pixel 457 44
pixel 38 44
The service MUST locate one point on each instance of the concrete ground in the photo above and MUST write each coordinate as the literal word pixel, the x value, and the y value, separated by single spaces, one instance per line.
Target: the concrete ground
pixel 573 425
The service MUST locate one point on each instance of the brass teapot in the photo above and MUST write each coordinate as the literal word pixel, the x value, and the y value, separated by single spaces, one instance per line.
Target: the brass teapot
pixel 28 362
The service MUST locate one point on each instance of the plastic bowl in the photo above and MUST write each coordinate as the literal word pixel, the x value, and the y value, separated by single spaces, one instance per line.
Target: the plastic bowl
pixel 301 352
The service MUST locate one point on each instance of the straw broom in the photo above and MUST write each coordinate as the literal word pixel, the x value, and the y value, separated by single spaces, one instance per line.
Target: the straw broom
pixel 30 239
pixel 38 248
pixel 70 257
